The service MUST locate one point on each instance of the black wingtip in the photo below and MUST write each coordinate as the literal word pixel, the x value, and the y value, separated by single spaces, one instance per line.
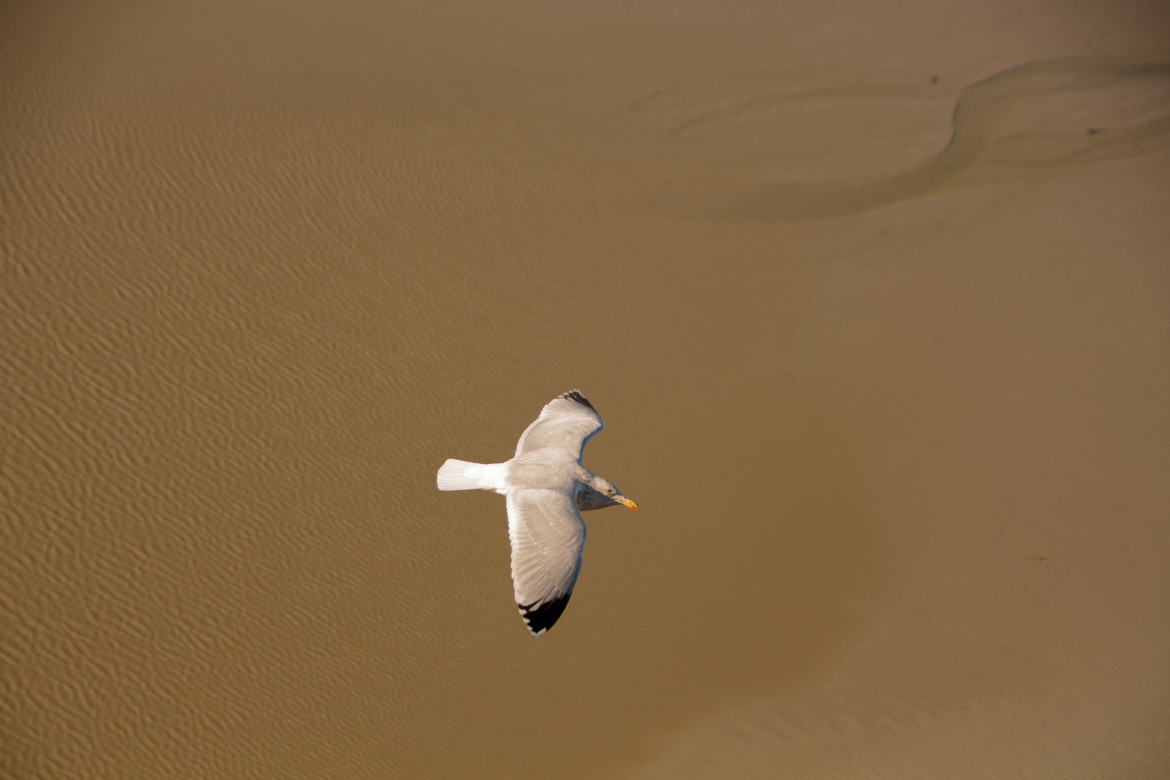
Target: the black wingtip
pixel 575 395
pixel 540 616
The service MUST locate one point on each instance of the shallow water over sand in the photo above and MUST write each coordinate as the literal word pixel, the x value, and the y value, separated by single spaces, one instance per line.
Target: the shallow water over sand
pixel 875 309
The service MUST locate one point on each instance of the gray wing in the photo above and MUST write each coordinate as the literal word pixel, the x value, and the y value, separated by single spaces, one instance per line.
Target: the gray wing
pixel 566 423
pixel 548 539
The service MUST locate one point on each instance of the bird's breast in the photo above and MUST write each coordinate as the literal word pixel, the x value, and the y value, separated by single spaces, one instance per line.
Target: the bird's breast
pixel 523 473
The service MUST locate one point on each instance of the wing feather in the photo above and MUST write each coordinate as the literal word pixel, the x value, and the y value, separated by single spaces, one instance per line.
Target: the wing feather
pixel 548 540
pixel 565 423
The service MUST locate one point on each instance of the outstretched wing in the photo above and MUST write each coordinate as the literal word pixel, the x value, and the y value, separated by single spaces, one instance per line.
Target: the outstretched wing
pixel 566 423
pixel 548 539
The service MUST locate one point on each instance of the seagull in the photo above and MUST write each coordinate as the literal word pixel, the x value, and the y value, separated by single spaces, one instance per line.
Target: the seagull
pixel 547 488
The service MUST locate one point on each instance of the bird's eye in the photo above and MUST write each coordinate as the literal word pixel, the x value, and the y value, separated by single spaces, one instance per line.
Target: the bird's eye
pixel 612 492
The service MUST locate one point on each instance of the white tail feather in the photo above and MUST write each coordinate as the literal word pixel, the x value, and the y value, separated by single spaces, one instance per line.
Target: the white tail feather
pixel 465 475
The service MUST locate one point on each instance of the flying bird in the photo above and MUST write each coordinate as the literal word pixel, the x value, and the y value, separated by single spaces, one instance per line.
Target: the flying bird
pixel 547 488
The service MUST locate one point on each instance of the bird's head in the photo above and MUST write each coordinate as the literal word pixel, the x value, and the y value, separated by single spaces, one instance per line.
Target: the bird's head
pixel 600 492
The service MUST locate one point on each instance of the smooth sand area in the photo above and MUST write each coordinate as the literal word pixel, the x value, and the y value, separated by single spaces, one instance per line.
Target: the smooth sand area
pixel 875 300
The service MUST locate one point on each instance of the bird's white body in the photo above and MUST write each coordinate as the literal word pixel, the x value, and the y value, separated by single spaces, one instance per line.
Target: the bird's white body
pixel 547 488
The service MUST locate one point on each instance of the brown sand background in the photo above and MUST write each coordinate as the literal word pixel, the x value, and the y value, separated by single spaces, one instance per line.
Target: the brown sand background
pixel 874 298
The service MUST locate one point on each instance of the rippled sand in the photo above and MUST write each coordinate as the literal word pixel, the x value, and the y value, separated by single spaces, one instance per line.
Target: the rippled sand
pixel 876 306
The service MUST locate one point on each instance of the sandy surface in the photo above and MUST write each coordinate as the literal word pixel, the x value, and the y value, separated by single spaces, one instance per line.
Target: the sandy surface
pixel 875 301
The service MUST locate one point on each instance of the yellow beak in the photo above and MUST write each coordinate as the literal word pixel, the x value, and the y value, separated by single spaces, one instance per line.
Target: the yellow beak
pixel 627 502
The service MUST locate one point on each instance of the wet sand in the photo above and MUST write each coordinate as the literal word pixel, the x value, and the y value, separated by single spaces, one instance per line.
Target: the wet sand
pixel 875 305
